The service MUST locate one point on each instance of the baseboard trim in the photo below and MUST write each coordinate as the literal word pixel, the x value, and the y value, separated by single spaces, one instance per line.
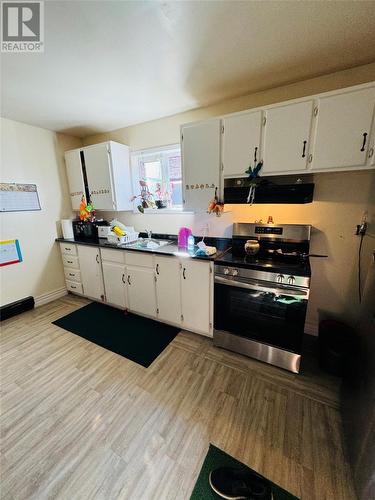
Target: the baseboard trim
pixel 311 329
pixel 50 296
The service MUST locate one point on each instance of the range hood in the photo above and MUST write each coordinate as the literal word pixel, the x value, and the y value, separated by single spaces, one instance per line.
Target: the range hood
pixel 280 189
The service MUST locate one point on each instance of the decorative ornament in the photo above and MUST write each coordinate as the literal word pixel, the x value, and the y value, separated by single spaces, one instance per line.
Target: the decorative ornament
pixel 254 180
pixel 215 206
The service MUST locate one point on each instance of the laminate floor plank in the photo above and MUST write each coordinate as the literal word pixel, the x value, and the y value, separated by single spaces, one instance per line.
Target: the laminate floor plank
pixel 80 422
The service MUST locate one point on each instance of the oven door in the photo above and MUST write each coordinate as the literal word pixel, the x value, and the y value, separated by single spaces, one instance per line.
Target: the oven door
pixel 260 311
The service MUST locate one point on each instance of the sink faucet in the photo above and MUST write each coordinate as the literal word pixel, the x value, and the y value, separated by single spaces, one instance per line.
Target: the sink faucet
pixel 149 233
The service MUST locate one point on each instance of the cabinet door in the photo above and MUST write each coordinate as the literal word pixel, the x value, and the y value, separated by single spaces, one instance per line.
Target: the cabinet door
pixel 75 177
pixel 91 272
pixel 196 296
pixel 287 136
pixel 200 145
pixel 99 178
pixel 114 276
pixel 241 143
pixel 168 294
pixel 343 129
pixel 141 290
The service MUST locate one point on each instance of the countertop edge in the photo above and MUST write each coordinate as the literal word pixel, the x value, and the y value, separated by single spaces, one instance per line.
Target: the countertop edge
pixel 176 252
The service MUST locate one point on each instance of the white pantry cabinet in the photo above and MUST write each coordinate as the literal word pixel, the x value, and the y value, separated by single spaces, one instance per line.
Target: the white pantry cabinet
pixel 168 289
pixel 241 142
pixel 343 130
pixel 200 146
pixel 196 296
pixel 141 290
pixel 91 272
pixel 102 173
pixel 287 138
pixel 75 177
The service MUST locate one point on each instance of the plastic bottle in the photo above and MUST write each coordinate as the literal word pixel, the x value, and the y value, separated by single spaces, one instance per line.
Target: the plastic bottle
pixel 191 242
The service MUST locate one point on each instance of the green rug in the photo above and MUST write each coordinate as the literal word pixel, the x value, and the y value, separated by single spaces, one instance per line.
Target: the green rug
pixel 217 458
pixel 134 337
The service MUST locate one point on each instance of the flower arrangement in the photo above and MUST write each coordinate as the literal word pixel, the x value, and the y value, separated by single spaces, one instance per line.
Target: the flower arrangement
pixel 145 196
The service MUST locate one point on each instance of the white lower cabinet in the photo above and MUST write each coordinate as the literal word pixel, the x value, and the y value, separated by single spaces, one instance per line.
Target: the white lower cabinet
pixel 141 290
pixel 196 296
pixel 91 272
pixel 114 275
pixel 168 289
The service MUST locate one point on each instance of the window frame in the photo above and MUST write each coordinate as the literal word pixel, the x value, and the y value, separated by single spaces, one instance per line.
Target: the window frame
pixel 135 171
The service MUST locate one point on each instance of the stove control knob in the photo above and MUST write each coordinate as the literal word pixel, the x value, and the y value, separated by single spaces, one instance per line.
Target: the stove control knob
pixel 235 272
pixel 226 270
pixel 280 278
pixel 291 280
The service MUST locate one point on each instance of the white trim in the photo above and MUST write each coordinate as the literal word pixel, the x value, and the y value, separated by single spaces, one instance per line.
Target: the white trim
pixel 311 329
pixel 50 296
pixel 169 211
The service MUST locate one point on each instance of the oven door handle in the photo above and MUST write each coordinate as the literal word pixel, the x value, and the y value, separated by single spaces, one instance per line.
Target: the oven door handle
pixel 280 290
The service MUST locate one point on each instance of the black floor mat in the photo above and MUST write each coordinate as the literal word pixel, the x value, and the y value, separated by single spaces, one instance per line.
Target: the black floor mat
pixel 134 337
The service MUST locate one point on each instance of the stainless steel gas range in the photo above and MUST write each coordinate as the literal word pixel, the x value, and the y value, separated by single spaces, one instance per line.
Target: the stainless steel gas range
pixel 261 293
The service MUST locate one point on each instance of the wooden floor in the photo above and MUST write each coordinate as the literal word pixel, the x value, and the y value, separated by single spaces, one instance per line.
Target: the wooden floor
pixel 80 422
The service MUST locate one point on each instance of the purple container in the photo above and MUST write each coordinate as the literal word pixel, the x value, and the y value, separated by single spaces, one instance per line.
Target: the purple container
pixel 183 236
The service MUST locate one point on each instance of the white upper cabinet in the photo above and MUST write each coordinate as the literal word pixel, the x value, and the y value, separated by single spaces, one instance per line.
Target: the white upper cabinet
pixel 75 177
pixel 99 176
pixel 241 142
pixel 287 138
pixel 343 130
pixel 200 146
pixel 91 271
pixel 196 296
pixel 106 171
pixel 168 290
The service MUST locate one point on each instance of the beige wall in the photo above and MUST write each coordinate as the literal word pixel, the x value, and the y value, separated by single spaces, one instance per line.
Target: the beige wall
pixel 34 155
pixel 339 201
pixel 167 130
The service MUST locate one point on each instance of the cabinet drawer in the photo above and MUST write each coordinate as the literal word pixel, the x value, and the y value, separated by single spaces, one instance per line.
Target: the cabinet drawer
pixel 72 275
pixel 70 261
pixel 113 255
pixel 74 287
pixel 68 248
pixel 139 259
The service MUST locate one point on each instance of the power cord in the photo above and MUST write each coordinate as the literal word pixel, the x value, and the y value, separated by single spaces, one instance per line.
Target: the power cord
pixel 359 269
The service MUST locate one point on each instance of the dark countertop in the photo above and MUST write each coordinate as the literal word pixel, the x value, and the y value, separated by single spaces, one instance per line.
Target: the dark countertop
pixel 222 245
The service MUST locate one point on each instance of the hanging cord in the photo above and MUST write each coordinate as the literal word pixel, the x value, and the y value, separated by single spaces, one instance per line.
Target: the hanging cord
pixel 359 269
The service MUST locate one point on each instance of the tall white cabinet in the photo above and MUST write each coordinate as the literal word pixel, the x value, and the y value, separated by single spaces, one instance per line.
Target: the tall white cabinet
pixel 196 295
pixel 91 271
pixel 241 142
pixel 287 137
pixel 75 177
pixel 343 129
pixel 168 292
pixel 200 143
pixel 102 173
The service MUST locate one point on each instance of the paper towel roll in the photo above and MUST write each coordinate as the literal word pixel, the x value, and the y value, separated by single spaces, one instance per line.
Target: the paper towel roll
pixel 67 228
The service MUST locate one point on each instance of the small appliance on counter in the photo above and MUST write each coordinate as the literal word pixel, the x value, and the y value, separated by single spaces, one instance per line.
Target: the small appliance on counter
pixel 67 229
pixel 88 231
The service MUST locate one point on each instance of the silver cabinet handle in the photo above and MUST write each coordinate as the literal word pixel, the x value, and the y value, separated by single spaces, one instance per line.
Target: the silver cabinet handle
pixel 157 269
pixel 97 258
pixel 123 278
pixel 129 282
pixel 183 273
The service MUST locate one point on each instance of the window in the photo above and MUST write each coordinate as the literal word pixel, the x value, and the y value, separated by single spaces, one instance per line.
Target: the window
pixel 157 178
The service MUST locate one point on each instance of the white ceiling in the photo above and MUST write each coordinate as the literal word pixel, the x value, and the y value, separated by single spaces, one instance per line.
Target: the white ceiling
pixel 110 64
